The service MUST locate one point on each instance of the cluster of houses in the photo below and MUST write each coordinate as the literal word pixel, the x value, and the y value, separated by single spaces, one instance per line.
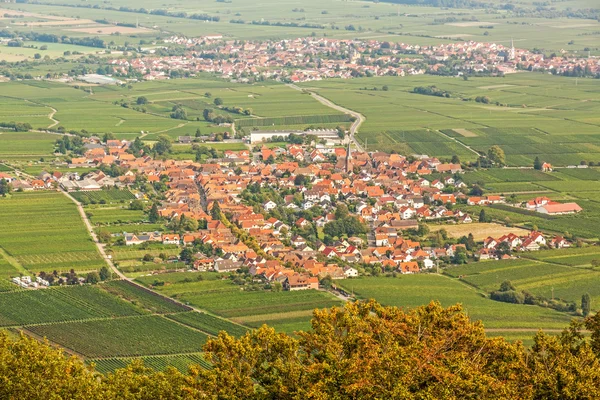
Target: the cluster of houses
pixel 388 193
pixel 501 247
pixel 313 58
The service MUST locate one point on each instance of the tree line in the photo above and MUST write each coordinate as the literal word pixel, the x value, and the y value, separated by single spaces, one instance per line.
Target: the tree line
pixel 361 351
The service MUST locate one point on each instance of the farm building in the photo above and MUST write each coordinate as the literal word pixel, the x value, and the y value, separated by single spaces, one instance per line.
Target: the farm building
pixel 560 208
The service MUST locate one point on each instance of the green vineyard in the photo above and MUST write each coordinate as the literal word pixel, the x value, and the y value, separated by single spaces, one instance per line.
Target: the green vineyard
pixel 144 298
pixel 209 324
pixel 108 196
pixel 298 120
pixel 159 363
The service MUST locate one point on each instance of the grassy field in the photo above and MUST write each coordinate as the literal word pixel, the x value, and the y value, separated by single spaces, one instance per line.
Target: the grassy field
pixel 415 290
pixel 286 311
pixel 377 20
pixel 543 116
pixel 107 196
pixel 28 145
pixel 124 337
pixel 44 232
pixel 548 279
pixel 33 101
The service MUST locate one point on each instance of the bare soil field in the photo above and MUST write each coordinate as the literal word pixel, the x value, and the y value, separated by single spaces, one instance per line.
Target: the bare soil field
pixel 479 231
pixel 465 132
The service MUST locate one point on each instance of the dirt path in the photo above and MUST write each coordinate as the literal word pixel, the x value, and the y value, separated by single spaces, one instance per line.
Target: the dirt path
pixel 13 262
pixel 51 117
pixel 326 102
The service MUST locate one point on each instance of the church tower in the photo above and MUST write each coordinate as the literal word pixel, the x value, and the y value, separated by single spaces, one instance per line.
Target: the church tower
pixel 348 167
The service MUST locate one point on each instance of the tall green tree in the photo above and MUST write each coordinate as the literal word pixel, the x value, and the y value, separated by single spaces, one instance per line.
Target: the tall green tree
pixel 586 304
pixel 153 215
pixel 537 164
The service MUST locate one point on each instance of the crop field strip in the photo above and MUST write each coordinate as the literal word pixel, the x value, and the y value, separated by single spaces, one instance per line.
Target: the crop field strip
pixel 78 110
pixel 548 277
pixel 129 337
pixel 554 139
pixel 159 363
pixel 108 195
pixel 144 298
pixel 35 225
pixel 415 290
pixel 289 311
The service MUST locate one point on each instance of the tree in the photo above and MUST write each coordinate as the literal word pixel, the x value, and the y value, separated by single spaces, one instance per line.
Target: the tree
pixel 423 230
pixel 108 136
pixel 136 205
pixel 142 100
pixel 496 155
pixel 385 88
pixel 92 278
pixel 482 216
pixel 104 236
pixel 178 112
pixel 537 164
pixel 586 304
pixel 105 274
pixel 5 187
pixel 163 145
pixel 215 212
pixel 455 159
pixel 153 215
pixel 218 101
pixel 341 211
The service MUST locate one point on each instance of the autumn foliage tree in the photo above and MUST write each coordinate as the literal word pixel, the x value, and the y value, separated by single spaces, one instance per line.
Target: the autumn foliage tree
pixel 361 351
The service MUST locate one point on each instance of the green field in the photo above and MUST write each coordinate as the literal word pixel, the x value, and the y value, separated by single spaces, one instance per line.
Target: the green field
pixel 107 196
pixel 542 116
pixel 114 215
pixel 44 232
pixel 124 337
pixel 285 311
pixel 415 290
pixel 25 145
pixel 548 279
pixel 208 323
pixel 158 363
pixel 32 102
pixel 60 304
pixel 377 20
pixel 143 298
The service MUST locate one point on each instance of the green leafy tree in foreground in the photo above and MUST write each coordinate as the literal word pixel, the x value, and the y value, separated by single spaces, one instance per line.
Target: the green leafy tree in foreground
pixel 497 156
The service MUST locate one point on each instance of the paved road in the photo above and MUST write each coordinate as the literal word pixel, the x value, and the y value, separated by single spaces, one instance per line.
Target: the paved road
pixel 358 116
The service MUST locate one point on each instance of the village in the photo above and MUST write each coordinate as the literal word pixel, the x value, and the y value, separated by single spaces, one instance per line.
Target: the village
pixel 312 58
pixel 298 214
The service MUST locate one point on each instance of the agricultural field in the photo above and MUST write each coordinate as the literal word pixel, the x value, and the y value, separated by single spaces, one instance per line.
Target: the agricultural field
pixel 565 132
pixel 159 363
pixel 98 113
pixel 415 290
pixel 480 231
pixel 25 145
pixel 106 196
pixel 143 298
pixel 285 311
pixel 43 231
pixel 114 215
pixel 129 337
pixel 547 279
pixel 28 307
pixel 208 323
pixel 377 20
